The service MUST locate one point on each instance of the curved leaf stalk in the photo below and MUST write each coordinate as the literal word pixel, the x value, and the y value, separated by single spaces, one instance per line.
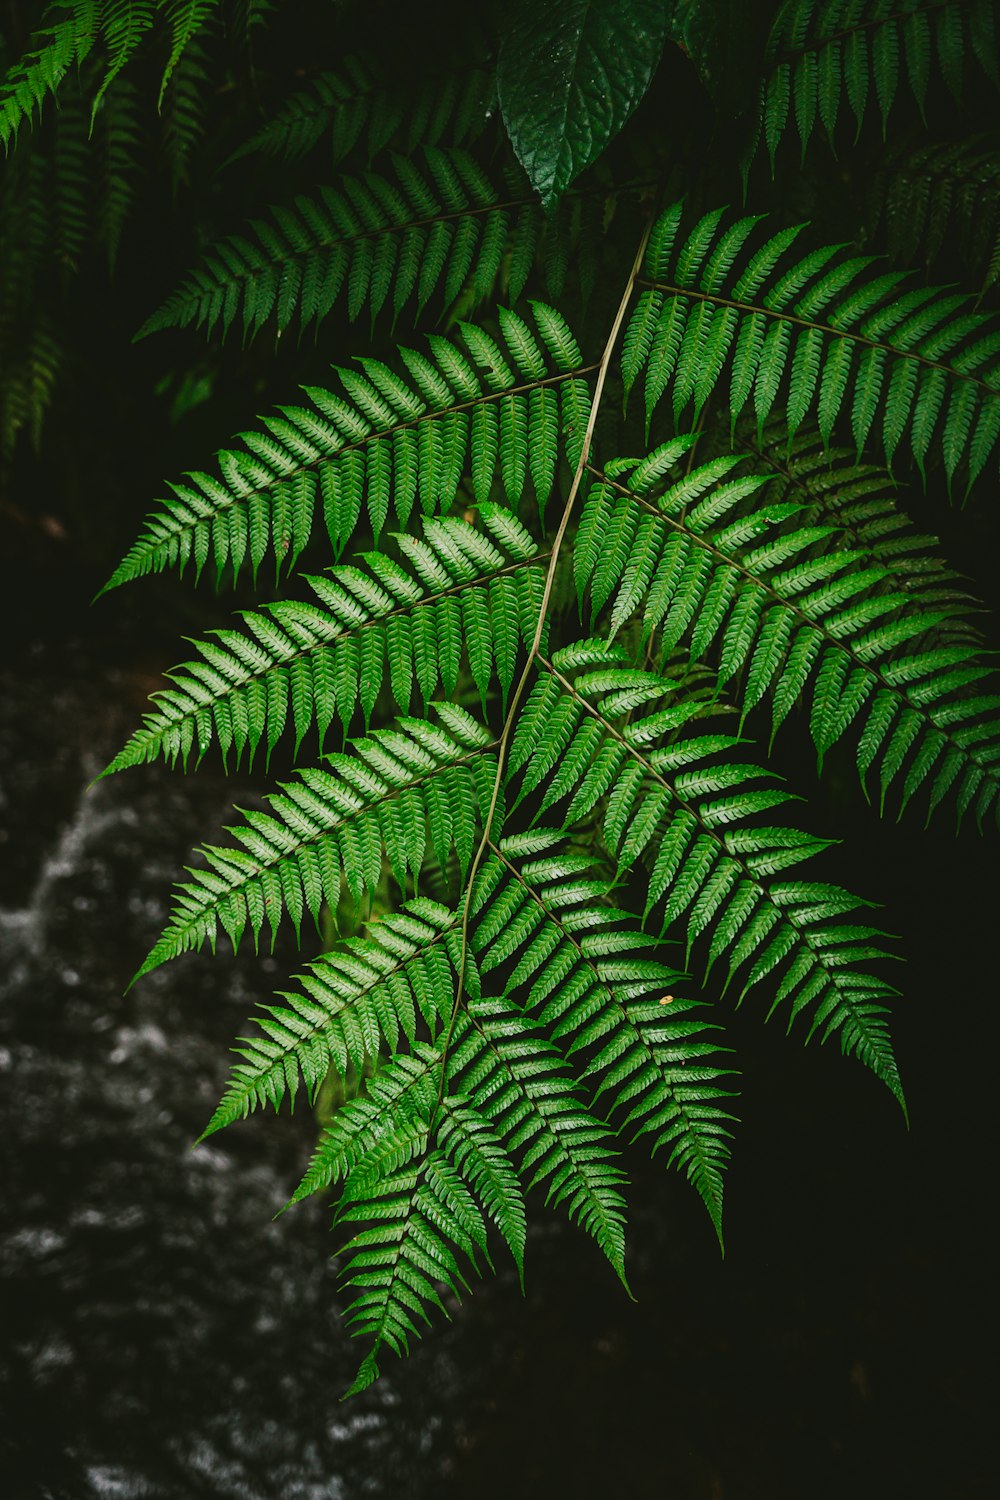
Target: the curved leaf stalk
pixel 534 649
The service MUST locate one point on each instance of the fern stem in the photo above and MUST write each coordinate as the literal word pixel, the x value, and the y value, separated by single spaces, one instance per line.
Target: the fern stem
pixel 534 650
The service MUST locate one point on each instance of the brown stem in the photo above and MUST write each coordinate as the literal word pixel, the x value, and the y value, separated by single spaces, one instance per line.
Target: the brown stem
pixel 534 649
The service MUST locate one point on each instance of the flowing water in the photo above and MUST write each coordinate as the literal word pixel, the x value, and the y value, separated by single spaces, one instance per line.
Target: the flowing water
pixel 163 1335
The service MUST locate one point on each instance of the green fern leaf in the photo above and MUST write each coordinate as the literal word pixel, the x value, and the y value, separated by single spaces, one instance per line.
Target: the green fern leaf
pixel 782 601
pixel 454 587
pixel 408 235
pixel 365 994
pixel 336 825
pixel 422 1228
pixel 183 110
pixel 822 55
pixel 402 1089
pixel 64 43
pixel 850 348
pixel 359 101
pixel 267 491
pixel 934 200
pixel 593 981
pixel 707 851
pixel 516 1079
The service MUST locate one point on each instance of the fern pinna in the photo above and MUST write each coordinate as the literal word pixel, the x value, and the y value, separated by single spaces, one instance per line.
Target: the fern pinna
pixel 548 568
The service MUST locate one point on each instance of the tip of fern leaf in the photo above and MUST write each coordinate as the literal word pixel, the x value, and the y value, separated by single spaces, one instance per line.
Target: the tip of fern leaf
pixel 619 1269
pixel 368 1373
pixel 113 582
pixel 155 323
pixel 126 757
pixel 301 1193
pixel 215 1124
pixel 715 1214
pixel 153 960
pixel 890 1077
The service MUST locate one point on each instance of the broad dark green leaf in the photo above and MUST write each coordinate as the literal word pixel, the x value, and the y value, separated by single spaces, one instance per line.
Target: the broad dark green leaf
pixel 569 75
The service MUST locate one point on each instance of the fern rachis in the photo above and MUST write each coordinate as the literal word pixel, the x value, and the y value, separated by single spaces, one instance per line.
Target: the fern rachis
pixel 505 667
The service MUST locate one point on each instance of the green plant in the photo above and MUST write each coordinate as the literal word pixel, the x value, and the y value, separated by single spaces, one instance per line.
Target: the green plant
pixel 625 494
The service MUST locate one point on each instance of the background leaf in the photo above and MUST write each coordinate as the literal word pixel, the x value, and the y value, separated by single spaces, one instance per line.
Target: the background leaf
pixel 722 38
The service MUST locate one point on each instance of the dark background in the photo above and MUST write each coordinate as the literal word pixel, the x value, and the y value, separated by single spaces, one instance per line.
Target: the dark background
pixel 162 1337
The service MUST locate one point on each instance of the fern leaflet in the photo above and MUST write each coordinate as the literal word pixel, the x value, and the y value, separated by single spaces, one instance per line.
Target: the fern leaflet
pixel 503 416
pixel 822 54
pixel 377 239
pixel 695 821
pixel 728 565
pixel 359 101
pixel 837 341
pixel 936 199
pixel 454 596
pixel 397 792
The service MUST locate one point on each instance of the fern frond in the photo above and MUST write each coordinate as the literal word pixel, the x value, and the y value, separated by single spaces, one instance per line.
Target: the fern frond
pixel 400 1093
pixel 397 792
pixel 120 139
pixel 459 593
pixel 359 100
pixel 694 820
pixel 30 351
pixel 399 1265
pixel 367 994
pixel 593 985
pixel 825 56
pixel 504 1074
pixel 423 1229
pixel 124 24
pixel 187 20
pixel 732 566
pixel 70 186
pixel 28 383
pixel 482 1159
pixel 822 334
pixel 57 47
pixel 183 110
pixel 511 897
pixel 378 240
pixel 65 190
pixel 515 1078
pixel 591 978
pixel 830 487
pixel 109 32
pixel 936 201
pixel 517 1099
pixel 507 1093
pixel 497 410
